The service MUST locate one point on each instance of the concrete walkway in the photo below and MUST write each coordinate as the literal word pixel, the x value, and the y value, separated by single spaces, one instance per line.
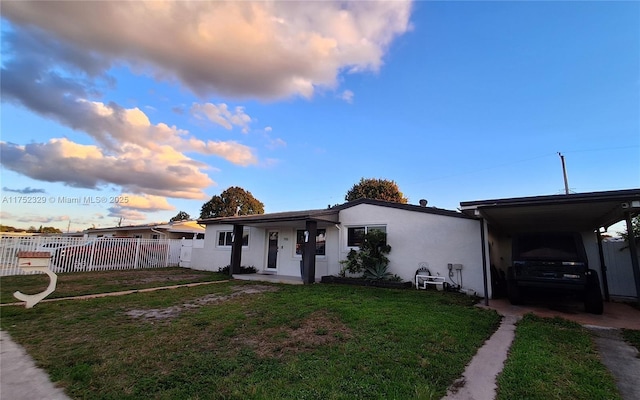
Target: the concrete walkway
pixel 478 381
pixel 620 358
pixel 20 379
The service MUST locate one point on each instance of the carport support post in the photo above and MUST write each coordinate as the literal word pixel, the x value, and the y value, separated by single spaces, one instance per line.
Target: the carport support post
pixel 603 267
pixel 236 250
pixel 633 250
pixel 309 259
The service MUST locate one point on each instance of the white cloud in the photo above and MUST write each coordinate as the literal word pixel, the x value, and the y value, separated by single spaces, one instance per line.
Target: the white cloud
pixel 221 115
pixel 164 172
pixel 127 214
pixel 144 202
pixel 347 96
pixel 269 49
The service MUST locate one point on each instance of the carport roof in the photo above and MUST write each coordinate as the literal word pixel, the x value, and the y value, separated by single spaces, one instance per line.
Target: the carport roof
pixel 566 212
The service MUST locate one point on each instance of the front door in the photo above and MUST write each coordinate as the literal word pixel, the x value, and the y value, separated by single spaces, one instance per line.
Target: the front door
pixel 272 250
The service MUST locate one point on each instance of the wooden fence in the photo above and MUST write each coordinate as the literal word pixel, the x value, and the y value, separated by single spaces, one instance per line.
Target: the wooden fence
pixel 82 254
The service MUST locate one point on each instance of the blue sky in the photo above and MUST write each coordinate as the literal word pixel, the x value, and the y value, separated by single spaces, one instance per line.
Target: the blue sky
pixel 168 104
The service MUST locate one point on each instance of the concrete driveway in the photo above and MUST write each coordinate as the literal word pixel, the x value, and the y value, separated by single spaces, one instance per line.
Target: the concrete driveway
pixel 616 315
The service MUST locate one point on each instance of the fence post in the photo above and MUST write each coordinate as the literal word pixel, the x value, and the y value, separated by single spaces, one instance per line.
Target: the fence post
pixel 135 262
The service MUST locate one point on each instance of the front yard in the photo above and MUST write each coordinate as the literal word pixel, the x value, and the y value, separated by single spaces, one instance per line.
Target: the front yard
pixel 246 340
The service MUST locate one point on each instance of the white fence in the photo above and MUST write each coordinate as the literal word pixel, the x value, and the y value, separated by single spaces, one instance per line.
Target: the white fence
pixel 82 254
pixel 617 258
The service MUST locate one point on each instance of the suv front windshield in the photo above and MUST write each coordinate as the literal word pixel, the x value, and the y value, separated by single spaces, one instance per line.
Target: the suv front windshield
pixel 546 247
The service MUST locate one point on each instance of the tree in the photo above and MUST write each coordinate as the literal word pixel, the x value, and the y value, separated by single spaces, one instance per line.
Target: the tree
pixel 50 229
pixel 181 216
pixel 635 228
pixel 379 189
pixel 231 202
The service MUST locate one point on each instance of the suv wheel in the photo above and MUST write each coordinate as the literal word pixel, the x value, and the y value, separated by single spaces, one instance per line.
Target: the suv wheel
pixel 593 297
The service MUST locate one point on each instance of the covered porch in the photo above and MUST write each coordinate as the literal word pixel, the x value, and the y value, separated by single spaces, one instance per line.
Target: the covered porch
pixel 281 244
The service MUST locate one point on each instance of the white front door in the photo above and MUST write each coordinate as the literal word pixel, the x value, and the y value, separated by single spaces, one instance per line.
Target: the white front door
pixel 272 250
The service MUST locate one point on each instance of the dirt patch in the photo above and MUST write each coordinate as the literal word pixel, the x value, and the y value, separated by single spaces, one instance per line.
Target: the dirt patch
pixel 318 329
pixel 167 278
pixel 174 311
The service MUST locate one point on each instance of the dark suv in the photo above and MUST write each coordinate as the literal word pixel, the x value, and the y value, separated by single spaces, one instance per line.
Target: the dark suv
pixel 552 261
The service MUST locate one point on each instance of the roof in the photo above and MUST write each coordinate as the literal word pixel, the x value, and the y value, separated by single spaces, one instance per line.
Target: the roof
pixel 327 215
pixel 575 212
pixel 178 226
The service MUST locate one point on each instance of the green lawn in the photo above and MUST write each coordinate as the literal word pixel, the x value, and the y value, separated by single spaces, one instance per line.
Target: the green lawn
pixel 554 359
pixel 240 340
pixel 632 337
pixel 77 284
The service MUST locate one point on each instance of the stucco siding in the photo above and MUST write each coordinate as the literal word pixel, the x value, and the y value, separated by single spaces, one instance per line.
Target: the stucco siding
pixel 417 237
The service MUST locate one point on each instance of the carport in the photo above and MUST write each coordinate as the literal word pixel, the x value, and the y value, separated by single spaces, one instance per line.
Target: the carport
pixel 580 212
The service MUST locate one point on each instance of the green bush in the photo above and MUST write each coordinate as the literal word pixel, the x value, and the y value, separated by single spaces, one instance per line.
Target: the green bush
pixel 371 259
pixel 243 269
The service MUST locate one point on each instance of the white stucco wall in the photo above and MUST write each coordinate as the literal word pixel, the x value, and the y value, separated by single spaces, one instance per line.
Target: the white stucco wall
pixel 212 256
pixel 417 237
pixel 414 236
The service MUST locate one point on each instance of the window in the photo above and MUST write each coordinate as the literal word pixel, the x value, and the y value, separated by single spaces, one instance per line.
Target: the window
pixel 225 239
pixel 154 236
pixel 355 234
pixel 321 238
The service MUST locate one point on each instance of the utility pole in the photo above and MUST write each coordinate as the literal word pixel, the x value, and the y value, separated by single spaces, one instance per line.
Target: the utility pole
pixel 564 173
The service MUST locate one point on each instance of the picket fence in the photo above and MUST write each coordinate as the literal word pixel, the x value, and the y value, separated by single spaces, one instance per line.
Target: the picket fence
pixel 73 254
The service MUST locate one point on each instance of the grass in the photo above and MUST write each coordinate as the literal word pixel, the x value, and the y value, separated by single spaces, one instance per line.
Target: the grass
pixel 77 284
pixel 632 337
pixel 554 359
pixel 246 341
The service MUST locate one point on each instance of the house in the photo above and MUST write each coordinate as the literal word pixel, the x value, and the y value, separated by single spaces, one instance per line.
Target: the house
pixel 172 230
pixel 274 243
pixel 477 239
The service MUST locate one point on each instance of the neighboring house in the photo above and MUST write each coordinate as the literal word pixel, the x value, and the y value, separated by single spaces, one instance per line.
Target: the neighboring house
pixel 171 230
pixel 273 243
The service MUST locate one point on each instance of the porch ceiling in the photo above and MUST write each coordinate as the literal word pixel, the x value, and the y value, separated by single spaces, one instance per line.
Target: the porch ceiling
pixel 572 212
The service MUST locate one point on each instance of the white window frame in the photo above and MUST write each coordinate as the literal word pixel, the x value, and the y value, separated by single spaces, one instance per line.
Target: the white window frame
pixel 366 227
pixel 295 252
pixel 228 233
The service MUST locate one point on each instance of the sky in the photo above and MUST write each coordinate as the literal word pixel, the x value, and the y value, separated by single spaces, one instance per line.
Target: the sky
pixel 128 113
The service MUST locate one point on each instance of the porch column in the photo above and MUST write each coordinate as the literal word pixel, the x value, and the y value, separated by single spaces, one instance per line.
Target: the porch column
pixel 309 254
pixel 236 250
pixel 633 250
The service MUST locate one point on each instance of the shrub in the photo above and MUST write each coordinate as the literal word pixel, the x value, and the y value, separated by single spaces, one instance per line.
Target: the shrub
pixel 243 269
pixel 371 259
